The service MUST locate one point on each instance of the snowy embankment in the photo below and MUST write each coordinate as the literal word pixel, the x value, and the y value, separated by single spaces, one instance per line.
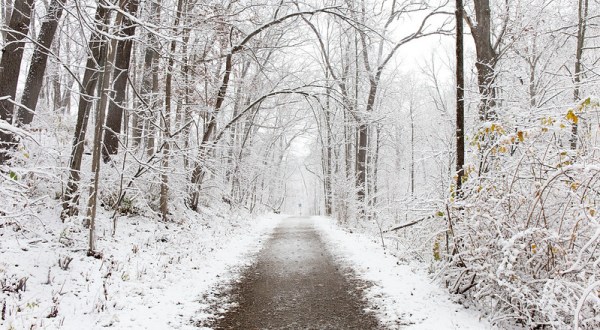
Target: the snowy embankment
pixel 401 295
pixel 150 277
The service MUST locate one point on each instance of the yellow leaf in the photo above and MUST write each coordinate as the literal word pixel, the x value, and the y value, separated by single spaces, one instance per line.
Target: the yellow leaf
pixel 592 212
pixel 574 186
pixel 520 136
pixel 572 116
pixel 586 102
pixel 502 149
pixel 533 248
pixel 436 250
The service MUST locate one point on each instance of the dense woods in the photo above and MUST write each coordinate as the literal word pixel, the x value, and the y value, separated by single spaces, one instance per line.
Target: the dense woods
pixel 465 135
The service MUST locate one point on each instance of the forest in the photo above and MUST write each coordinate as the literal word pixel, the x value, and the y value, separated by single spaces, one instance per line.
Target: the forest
pixel 463 136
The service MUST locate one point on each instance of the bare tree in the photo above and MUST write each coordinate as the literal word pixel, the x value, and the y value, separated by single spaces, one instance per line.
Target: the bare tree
pixel 460 99
pixel 10 64
pixel 100 119
pixel 96 48
pixel 582 13
pixel 198 172
pixel 144 124
pixel 114 117
pixel 37 68
pixel 487 56
pixel 166 118
pixel 374 69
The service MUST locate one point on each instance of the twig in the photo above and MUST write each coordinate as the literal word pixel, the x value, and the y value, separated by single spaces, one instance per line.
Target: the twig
pixel 408 224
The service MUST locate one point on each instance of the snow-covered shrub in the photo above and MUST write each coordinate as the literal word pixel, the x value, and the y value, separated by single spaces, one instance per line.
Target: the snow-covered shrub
pixel 526 236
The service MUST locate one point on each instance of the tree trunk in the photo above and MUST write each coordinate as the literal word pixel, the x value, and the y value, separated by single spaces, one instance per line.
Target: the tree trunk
pixel 186 113
pixel 114 117
pixel 487 59
pixel 6 11
pixel 581 27
pixel 10 65
pixel 375 163
pixel 149 90
pixel 363 140
pixel 166 121
pixel 198 172
pixel 412 149
pixel 98 132
pixel 361 160
pixel 37 68
pixel 97 45
pixel 460 99
pixel 328 165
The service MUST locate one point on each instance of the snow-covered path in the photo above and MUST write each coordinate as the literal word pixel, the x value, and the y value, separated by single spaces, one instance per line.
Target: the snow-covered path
pixel 311 274
pixel 296 284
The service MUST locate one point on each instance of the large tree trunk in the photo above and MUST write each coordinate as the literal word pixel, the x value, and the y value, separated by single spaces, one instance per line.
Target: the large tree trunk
pixel 363 143
pixel 37 68
pixel 97 45
pixel 114 117
pixel 487 59
pixel 10 65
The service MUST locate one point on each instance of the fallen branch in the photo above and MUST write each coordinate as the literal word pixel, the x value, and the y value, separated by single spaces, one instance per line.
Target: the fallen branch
pixel 408 224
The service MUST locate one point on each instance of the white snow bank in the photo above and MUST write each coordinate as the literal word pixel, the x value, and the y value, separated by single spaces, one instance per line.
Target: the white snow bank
pixel 402 296
pixel 151 276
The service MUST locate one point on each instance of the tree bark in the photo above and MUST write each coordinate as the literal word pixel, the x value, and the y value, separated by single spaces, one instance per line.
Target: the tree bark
pixel 98 132
pixel 328 162
pixel 460 99
pixel 487 59
pixel 10 65
pixel 412 147
pixel 37 68
pixel 149 89
pixel 114 117
pixel 166 121
pixel 6 11
pixel 97 45
pixel 581 27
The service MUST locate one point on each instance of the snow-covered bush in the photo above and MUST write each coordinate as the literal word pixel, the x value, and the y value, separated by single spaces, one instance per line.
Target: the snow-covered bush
pixel 526 235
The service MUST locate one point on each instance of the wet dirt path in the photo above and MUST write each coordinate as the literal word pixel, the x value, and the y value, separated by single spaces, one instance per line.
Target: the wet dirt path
pixel 295 284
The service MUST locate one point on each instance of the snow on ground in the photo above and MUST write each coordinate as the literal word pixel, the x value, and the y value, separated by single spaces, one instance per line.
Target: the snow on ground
pixel 401 295
pixel 151 275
